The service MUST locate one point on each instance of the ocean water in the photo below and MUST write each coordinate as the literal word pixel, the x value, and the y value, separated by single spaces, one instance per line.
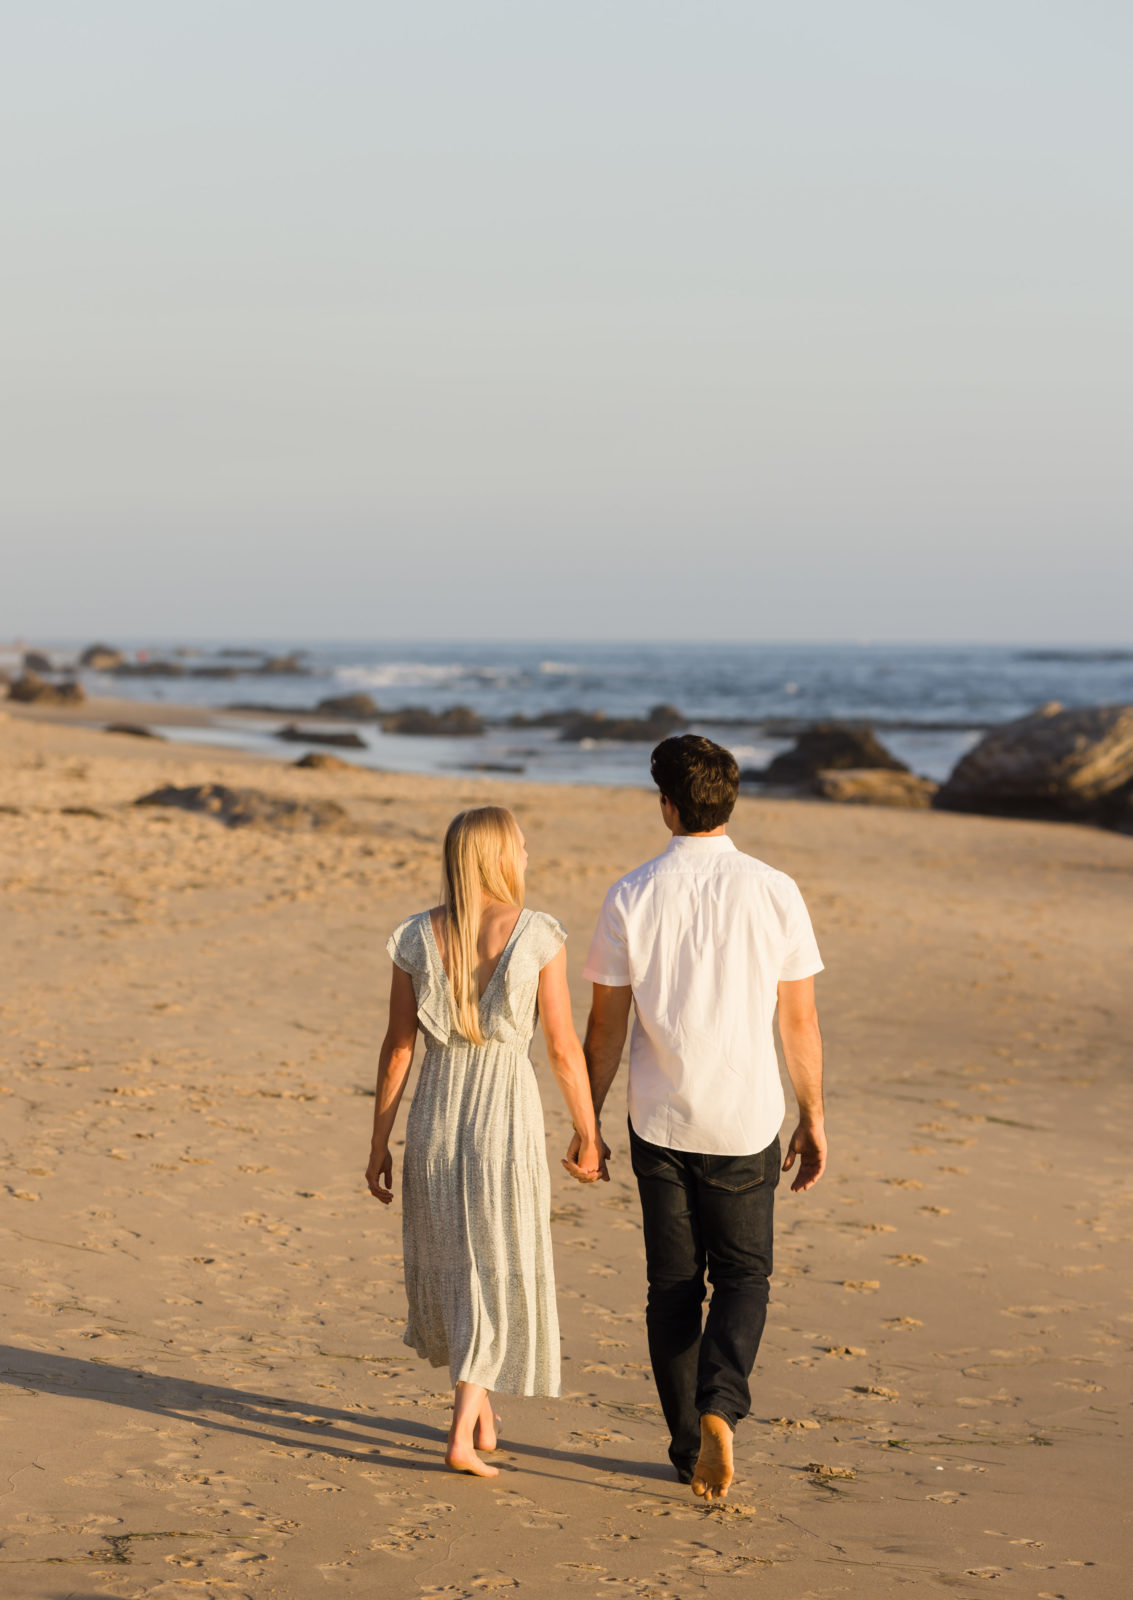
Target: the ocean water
pixel 929 703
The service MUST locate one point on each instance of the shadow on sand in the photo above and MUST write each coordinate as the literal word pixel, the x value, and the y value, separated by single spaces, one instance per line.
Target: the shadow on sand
pixel 273 1419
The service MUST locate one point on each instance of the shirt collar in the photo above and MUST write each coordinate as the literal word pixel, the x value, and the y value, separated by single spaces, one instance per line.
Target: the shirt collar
pixel 719 844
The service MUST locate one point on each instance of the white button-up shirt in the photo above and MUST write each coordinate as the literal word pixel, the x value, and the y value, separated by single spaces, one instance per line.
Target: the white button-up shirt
pixel 703 935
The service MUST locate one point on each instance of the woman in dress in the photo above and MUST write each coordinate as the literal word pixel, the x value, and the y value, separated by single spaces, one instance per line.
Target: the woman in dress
pixel 474 974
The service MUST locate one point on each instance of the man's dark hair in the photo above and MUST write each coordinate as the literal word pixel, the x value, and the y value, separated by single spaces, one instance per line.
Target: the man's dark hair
pixel 700 778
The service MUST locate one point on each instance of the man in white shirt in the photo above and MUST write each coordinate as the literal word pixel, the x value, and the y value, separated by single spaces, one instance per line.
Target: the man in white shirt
pixel 705 943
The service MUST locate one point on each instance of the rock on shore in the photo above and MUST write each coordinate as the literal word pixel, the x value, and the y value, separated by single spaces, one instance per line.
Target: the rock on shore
pixel 101 658
pixel 1055 763
pixel 826 747
pixel 874 786
pixel 360 707
pixel 455 722
pixel 320 761
pixel 31 689
pixel 659 724
pixel 136 730
pixel 246 808
pixel 343 741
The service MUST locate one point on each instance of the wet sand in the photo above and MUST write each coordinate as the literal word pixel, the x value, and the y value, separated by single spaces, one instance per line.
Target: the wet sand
pixel 204 1391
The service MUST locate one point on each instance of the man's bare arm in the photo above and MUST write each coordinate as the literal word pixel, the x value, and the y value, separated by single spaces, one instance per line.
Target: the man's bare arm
pixel 606 1030
pixel 802 1051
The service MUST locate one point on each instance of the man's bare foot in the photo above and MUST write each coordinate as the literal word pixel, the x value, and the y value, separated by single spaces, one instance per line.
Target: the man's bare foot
pixel 713 1471
pixel 484 1435
pixel 463 1459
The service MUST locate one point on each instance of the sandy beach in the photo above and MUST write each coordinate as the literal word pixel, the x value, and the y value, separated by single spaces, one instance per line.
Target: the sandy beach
pixel 204 1390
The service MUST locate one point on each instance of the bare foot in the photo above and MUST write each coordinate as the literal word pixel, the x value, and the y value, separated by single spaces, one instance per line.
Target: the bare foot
pixel 461 1459
pixel 713 1471
pixel 484 1435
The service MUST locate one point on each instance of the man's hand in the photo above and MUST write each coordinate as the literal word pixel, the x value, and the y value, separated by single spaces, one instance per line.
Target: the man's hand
pixel 379 1176
pixel 570 1161
pixel 808 1143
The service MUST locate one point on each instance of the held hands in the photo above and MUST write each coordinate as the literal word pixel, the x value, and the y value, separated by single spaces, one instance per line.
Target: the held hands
pixel 586 1159
pixel 808 1143
pixel 379 1175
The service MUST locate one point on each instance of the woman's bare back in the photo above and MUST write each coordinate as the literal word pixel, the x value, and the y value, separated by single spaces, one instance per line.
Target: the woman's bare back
pixel 497 924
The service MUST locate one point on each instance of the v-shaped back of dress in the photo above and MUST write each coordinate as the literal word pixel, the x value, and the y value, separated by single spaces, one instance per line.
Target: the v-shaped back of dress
pixel 507 1006
pixel 502 961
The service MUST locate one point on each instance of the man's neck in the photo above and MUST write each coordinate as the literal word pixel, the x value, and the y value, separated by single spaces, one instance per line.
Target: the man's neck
pixel 713 833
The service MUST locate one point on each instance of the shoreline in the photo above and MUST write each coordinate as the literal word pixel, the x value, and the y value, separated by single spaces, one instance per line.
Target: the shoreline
pixel 499 752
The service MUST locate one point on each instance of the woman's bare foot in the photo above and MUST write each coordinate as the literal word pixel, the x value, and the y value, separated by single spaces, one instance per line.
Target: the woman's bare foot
pixel 484 1435
pixel 713 1471
pixel 468 1406
pixel 461 1458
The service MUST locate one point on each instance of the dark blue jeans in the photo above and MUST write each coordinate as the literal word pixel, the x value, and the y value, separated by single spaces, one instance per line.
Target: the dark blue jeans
pixel 704 1214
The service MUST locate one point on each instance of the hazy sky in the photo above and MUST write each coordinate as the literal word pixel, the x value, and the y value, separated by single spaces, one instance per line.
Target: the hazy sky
pixel 629 318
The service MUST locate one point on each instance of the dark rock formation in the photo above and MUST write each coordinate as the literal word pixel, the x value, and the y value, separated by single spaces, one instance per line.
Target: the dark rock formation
pixel 149 669
pixel 288 665
pixel 545 719
pixel 33 690
pixel 826 747
pixel 101 658
pixel 136 730
pixel 246 808
pixel 659 724
pixel 343 741
pixel 1119 814
pixel 1055 763
pixel 215 672
pixel 874 786
pixel 268 708
pixel 455 722
pixel 36 661
pixel 360 707
pixel 319 761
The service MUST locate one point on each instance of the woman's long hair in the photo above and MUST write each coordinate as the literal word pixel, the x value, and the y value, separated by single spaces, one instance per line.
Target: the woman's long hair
pixel 481 858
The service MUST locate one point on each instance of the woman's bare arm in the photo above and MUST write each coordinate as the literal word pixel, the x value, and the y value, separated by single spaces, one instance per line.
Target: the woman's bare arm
pixel 569 1066
pixel 394 1061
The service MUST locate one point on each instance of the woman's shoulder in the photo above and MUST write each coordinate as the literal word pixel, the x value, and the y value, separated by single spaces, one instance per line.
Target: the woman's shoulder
pixel 406 944
pixel 545 936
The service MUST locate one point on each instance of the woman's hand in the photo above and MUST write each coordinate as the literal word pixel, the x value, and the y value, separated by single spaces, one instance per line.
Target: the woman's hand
pixel 586 1160
pixel 379 1174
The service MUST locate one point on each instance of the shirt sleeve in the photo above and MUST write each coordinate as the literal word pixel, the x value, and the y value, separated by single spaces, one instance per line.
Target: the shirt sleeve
pixel 800 958
pixel 608 959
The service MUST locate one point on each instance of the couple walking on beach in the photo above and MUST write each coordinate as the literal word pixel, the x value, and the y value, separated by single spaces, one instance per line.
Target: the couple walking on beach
pixel 704 943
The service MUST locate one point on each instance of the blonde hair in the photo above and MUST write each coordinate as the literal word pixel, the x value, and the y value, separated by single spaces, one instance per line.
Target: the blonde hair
pixel 481 858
